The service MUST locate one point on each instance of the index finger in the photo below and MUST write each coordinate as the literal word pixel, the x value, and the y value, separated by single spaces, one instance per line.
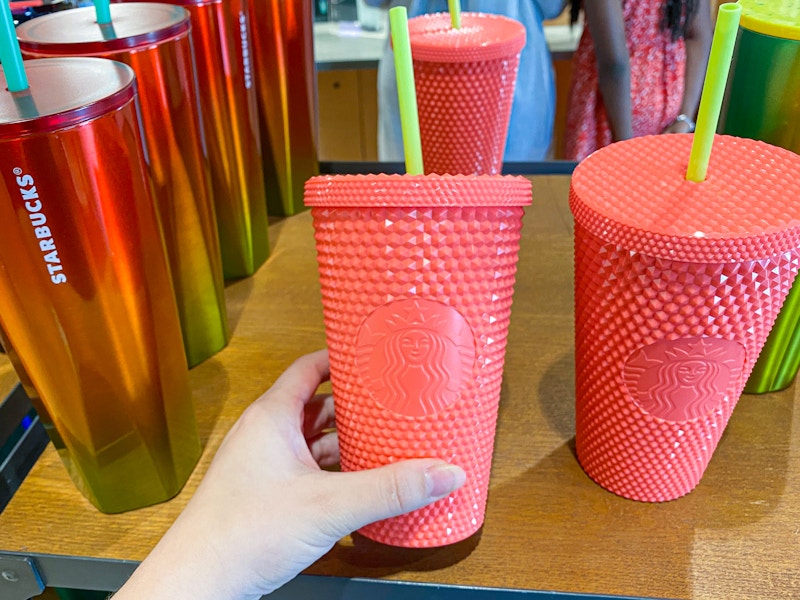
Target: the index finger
pixel 298 384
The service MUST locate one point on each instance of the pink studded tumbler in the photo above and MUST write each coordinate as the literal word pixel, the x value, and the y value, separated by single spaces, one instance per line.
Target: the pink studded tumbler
pixel 677 285
pixel 465 81
pixel 417 277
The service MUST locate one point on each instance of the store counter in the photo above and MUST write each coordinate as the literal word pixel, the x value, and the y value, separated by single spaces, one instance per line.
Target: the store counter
pixel 343 45
pixel 549 530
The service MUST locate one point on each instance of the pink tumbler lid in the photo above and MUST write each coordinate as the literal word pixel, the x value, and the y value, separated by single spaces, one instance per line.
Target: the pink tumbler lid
pixel 481 37
pixel 634 194
pixel 64 92
pixel 133 25
pixel 408 191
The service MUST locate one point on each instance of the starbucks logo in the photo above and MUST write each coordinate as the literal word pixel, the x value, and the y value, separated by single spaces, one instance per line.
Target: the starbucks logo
pixel 679 380
pixel 416 356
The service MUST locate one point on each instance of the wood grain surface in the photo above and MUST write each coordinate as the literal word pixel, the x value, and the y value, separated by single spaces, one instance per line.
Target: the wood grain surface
pixel 548 526
pixel 8 379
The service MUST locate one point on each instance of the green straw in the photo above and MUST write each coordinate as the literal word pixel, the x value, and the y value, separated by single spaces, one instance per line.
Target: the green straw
pixel 719 63
pixel 10 54
pixel 406 91
pixel 102 9
pixel 454 6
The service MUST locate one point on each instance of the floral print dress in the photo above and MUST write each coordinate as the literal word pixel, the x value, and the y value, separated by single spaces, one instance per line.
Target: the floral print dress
pixel 657 66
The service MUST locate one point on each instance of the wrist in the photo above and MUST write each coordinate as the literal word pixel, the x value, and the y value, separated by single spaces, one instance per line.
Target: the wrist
pixel 686 120
pixel 183 565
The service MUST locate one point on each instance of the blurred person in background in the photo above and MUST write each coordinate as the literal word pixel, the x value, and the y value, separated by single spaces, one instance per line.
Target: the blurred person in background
pixel 530 130
pixel 638 70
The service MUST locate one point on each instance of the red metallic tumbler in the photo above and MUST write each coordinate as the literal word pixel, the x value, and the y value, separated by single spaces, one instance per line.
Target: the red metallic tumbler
pixel 286 80
pixel 228 102
pixel 86 300
pixel 154 40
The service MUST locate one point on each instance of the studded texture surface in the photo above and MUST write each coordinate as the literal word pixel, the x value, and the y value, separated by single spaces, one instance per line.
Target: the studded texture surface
pixel 406 191
pixel 664 346
pixel 481 37
pixel 635 194
pixel 447 272
pixel 465 82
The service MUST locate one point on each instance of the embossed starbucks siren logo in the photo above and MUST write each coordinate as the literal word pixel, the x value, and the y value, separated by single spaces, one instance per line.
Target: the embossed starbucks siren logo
pixel 415 355
pixel 678 380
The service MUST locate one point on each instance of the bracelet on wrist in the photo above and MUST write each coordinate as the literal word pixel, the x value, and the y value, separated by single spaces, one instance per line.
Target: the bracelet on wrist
pixel 683 118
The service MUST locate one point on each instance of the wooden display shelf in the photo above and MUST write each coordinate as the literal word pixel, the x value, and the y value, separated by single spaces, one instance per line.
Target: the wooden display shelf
pixel 548 526
pixel 8 379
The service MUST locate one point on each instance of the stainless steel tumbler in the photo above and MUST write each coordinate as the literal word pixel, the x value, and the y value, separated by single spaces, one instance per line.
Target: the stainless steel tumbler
pixel 87 310
pixel 154 39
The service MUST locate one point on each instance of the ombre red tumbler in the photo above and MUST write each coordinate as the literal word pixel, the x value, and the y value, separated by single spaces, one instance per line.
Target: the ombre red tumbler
pixel 286 83
pixel 154 40
pixel 86 300
pixel 223 53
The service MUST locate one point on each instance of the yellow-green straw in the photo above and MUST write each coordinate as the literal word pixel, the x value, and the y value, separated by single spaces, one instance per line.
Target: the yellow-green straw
pixel 406 90
pixel 454 6
pixel 719 63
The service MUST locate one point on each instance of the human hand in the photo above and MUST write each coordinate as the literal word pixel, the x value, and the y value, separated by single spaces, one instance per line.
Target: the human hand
pixel 265 510
pixel 677 127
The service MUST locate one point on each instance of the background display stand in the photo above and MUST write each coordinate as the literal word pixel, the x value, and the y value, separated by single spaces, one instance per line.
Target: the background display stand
pixel 550 532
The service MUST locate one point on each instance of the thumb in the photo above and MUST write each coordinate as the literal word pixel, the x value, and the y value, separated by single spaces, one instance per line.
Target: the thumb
pixel 392 490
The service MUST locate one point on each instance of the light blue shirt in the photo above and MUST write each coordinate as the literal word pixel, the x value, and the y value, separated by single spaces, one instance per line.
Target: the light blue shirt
pixel 533 110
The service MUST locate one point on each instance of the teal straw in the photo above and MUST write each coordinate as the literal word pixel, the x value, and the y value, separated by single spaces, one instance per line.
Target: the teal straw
pixel 10 54
pixel 102 9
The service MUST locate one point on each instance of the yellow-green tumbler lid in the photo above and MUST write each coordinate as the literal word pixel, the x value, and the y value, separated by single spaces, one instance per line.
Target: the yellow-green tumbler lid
pixel 778 18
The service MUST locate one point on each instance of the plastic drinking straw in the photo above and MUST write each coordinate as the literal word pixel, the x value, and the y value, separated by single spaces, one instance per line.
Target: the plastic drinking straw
pixel 454 6
pixel 102 9
pixel 10 54
pixel 406 90
pixel 719 63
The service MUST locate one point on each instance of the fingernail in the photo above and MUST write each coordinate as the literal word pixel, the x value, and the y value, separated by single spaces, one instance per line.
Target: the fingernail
pixel 443 479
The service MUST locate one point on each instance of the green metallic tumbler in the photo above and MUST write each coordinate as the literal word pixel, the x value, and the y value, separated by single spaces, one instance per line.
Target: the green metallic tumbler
pixel 762 102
